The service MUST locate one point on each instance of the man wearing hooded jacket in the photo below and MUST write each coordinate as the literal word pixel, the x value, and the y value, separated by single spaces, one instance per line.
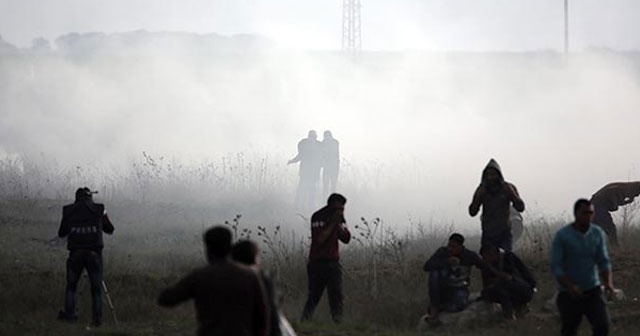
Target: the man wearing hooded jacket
pixel 495 196
pixel 83 223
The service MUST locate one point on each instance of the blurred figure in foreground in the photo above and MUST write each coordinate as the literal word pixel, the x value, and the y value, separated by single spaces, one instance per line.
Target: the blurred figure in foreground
pixel 496 196
pixel 328 226
pixel 247 253
pixel 578 252
pixel 330 163
pixel 507 281
pixel 83 223
pixel 229 298
pixel 449 278
pixel 608 199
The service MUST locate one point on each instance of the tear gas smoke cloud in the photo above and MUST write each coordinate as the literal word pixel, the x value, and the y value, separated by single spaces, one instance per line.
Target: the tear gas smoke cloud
pixel 416 128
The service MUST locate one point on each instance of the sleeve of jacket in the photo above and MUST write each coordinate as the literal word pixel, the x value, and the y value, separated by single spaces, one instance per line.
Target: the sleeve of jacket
pixel 107 226
pixel 180 292
pixel 343 234
pixel 63 231
pixel 438 260
pixel 518 203
pixel 476 201
pixel 602 255
pixel 476 259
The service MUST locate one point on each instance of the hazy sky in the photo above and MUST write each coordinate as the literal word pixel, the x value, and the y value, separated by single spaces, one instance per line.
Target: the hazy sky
pixel 316 24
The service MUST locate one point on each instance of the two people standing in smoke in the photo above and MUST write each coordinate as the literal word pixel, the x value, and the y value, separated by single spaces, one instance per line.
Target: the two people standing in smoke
pixel 315 156
pixel 495 196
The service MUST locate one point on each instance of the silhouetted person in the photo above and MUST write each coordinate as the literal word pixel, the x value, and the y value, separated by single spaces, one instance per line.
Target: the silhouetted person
pixel 310 158
pixel 578 252
pixel 449 277
pixel 83 223
pixel 229 297
pixel 507 281
pixel 330 163
pixel 609 198
pixel 328 226
pixel 246 252
pixel 496 196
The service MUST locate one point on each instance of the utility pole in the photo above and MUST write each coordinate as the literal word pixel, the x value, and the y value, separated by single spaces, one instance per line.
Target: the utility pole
pixel 566 27
pixel 351 35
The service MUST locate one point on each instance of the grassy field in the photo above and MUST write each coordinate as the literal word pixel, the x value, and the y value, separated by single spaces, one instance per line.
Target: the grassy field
pixel 385 288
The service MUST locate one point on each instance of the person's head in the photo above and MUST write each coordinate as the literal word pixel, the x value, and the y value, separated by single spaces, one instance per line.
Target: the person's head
pixel 218 242
pixel 490 253
pixel 337 202
pixel 455 245
pixel 492 175
pixel 245 252
pixel 583 212
pixel 312 135
pixel 83 194
pixel 327 135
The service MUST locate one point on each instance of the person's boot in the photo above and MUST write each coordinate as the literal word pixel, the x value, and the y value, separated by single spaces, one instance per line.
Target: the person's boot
pixel 63 316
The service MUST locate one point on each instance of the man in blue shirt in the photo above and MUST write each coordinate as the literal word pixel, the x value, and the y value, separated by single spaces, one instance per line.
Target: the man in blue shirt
pixel 578 252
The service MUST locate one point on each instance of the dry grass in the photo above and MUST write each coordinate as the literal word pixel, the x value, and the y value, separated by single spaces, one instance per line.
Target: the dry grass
pixel 157 241
pixel 384 285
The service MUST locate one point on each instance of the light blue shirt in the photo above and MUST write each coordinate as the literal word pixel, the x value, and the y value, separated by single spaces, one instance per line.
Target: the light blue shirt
pixel 580 256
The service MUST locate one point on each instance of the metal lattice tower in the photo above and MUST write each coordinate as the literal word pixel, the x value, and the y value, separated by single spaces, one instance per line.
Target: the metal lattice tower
pixel 351 37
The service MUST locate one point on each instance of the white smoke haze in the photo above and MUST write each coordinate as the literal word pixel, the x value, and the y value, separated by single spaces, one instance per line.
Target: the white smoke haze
pixel 416 128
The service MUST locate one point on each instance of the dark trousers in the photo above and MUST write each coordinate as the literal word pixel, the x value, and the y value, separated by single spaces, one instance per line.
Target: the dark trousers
pixel 510 294
pixel 323 274
pixel 592 305
pixel 503 240
pixel 444 297
pixel 77 261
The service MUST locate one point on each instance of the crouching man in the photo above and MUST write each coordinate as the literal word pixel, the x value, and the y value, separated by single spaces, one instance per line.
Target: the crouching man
pixel 449 278
pixel 507 281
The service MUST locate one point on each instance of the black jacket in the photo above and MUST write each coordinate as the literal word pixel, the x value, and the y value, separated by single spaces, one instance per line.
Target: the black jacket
pixel 83 223
pixel 512 265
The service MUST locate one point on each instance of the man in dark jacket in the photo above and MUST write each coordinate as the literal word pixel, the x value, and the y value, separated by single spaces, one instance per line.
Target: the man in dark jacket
pixel 83 223
pixel 449 277
pixel 507 281
pixel 328 226
pixel 229 298
pixel 496 196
